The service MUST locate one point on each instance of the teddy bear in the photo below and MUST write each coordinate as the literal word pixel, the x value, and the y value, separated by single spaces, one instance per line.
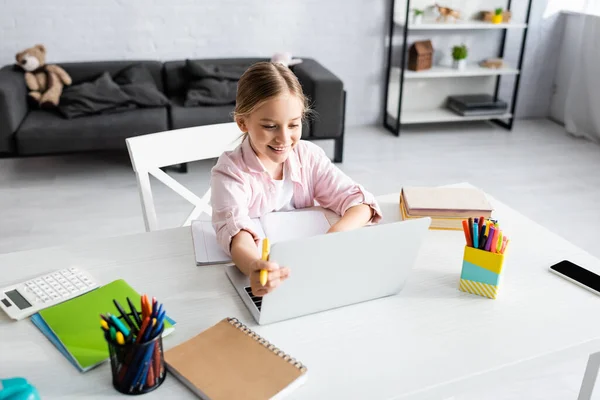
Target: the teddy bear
pixel 44 81
pixel 285 59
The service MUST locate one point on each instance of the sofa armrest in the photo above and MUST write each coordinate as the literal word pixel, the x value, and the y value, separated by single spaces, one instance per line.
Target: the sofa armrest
pixel 13 106
pixel 326 94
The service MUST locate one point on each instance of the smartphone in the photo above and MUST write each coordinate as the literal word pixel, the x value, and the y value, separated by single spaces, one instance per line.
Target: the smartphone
pixel 578 275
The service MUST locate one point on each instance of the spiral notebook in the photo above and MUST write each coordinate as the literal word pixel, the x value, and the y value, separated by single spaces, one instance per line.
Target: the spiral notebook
pixel 230 361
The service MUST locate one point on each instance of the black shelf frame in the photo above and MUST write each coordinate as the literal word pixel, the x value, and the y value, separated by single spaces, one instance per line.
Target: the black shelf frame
pixel 393 124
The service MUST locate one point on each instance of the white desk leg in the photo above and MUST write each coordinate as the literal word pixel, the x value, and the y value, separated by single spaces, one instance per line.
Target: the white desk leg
pixel 589 378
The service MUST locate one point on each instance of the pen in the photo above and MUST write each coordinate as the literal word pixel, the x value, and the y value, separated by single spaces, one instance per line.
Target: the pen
pixel 499 243
pixel 148 307
pixel 124 315
pixel 154 306
pixel 264 274
pixel 494 242
pixel 104 324
pixel 467 233
pixel 120 338
pixel 471 228
pixel 113 333
pixel 482 242
pixel 504 240
pixel 119 325
pixel 134 312
pixel 481 224
pixel 490 238
pixel 505 245
pixel 475 234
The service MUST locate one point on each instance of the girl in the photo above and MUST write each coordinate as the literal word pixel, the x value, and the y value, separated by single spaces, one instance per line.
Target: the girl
pixel 273 170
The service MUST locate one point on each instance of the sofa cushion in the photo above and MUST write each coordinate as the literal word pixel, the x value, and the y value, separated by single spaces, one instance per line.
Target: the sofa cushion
pixel 185 117
pixel 89 71
pixel 47 132
pixel 177 79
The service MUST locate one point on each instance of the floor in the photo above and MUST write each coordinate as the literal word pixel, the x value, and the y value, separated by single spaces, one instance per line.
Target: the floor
pixel 537 169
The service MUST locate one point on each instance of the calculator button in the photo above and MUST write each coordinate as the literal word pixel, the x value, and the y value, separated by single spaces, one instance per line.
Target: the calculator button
pixel 56 275
pixel 50 292
pixel 30 285
pixel 71 288
pixel 55 296
pixel 73 270
pixel 45 298
pixel 38 281
pixel 61 279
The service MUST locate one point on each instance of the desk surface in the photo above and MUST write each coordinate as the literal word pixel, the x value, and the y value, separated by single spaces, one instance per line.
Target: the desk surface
pixel 430 340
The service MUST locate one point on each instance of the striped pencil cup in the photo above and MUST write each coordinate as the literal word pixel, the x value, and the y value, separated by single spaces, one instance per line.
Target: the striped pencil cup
pixel 481 272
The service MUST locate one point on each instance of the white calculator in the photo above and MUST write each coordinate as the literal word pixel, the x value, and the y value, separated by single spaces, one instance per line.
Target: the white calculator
pixel 26 298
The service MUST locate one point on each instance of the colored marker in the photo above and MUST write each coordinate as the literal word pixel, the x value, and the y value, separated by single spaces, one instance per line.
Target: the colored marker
pixel 467 233
pixel 264 274
pixel 490 238
pixel 119 325
pixel 475 234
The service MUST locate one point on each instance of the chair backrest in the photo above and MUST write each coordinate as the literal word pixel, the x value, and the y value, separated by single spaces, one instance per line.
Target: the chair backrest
pixel 151 152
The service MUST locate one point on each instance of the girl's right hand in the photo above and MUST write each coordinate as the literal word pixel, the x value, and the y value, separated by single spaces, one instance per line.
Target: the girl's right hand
pixel 276 275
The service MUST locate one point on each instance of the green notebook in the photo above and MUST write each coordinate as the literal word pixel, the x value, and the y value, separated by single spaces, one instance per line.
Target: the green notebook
pixel 74 326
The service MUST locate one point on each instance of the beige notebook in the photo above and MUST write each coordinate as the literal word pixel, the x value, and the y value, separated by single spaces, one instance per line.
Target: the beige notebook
pixel 230 361
pixel 446 202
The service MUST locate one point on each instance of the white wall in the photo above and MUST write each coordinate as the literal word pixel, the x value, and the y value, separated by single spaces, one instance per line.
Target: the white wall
pixel 346 36
pixel 567 54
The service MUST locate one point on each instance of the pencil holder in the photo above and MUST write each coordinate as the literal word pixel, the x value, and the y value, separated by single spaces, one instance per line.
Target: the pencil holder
pixel 137 368
pixel 481 272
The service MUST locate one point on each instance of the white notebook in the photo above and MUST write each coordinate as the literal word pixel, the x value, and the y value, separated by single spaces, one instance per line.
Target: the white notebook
pixel 277 226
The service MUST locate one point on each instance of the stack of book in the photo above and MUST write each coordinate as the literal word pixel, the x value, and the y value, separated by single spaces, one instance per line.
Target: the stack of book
pixel 447 207
pixel 476 104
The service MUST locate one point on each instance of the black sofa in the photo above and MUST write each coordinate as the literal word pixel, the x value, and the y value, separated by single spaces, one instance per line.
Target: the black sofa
pixel 27 131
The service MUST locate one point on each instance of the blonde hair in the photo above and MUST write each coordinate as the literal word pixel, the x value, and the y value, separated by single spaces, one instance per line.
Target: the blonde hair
pixel 263 81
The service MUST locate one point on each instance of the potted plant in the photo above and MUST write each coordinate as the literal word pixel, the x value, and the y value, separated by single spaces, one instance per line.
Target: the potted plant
pixel 459 54
pixel 417 16
pixel 498 16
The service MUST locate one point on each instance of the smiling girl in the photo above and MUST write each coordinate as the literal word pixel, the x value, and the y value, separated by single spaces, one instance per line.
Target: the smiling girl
pixel 273 170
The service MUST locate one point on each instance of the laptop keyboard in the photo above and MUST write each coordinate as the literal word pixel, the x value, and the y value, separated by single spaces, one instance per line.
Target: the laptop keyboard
pixel 256 300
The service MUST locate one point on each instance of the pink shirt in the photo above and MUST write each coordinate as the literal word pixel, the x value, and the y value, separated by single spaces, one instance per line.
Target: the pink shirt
pixel 242 189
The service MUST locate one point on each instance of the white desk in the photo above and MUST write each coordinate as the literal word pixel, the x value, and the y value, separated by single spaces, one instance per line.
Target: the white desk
pixel 431 341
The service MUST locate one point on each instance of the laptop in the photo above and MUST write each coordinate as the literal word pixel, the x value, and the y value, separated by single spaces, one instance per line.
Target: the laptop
pixel 336 270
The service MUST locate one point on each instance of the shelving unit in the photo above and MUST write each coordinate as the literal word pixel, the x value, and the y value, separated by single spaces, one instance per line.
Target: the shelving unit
pixel 398 76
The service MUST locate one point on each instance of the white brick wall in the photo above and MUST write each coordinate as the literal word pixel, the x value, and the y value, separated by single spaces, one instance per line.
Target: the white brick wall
pixel 346 36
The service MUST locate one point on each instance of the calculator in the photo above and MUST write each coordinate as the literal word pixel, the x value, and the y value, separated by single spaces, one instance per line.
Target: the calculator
pixel 26 298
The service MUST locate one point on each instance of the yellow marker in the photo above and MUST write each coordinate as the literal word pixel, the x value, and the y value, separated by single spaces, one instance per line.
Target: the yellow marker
pixel 104 324
pixel 265 256
pixel 120 338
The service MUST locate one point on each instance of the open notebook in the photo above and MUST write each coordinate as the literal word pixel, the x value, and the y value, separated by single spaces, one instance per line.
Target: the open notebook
pixel 230 361
pixel 277 226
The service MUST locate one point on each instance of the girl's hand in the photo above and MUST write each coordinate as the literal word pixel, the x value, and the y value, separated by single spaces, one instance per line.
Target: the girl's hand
pixel 276 275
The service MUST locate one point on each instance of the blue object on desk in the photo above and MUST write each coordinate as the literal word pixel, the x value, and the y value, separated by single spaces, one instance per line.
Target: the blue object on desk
pixel 17 389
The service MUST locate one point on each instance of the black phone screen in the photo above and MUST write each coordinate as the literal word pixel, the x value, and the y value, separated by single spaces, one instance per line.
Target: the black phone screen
pixel 578 274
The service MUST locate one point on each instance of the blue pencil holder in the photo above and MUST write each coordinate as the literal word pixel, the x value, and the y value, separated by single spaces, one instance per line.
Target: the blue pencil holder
pixel 137 368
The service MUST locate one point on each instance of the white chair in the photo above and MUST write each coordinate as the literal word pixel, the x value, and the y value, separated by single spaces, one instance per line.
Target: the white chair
pixel 150 152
